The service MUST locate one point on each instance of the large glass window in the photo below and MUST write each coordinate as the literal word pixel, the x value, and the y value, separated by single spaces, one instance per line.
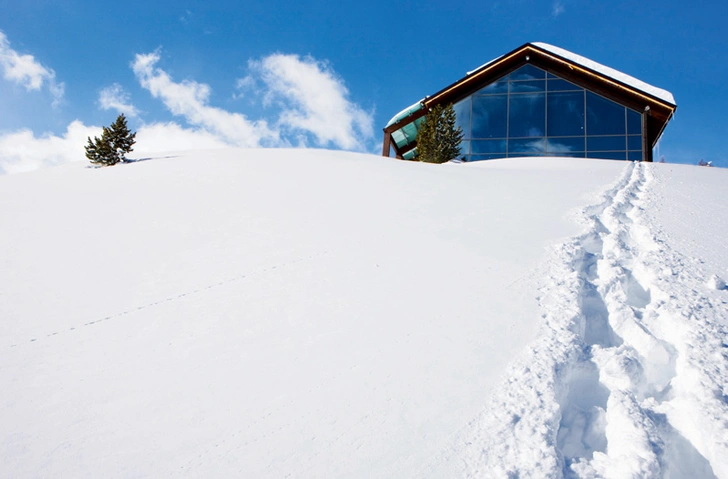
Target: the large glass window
pixel 604 117
pixel 462 116
pixel 565 114
pixel 490 116
pixel 526 115
pixel 531 113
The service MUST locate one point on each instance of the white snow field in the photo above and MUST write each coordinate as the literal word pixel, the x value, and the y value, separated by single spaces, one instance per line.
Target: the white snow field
pixel 307 313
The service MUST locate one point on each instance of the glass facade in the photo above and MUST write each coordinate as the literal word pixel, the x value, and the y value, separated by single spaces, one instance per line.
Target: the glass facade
pixel 533 113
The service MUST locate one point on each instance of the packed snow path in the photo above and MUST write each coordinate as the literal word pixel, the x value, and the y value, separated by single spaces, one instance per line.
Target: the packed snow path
pixel 629 378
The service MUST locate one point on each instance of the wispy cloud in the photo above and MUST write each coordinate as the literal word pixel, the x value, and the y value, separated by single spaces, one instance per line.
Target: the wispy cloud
pixel 25 70
pixel 557 8
pixel 115 98
pixel 244 85
pixel 185 17
pixel 189 99
pixel 308 102
pixel 313 100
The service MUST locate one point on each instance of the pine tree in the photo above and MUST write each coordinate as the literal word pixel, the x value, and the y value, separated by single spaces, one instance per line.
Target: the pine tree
pixel 122 139
pixel 100 152
pixel 438 140
pixel 115 142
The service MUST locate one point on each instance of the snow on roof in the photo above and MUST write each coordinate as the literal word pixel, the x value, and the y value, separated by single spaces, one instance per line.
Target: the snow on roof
pixel 609 72
pixel 406 112
pixel 484 65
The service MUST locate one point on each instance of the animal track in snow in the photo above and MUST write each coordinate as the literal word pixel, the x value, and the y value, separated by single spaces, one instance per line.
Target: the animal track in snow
pixel 175 297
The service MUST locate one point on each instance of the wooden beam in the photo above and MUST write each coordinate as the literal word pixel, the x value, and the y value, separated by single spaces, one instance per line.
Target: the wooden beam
pixel 646 140
pixel 386 145
pixel 406 120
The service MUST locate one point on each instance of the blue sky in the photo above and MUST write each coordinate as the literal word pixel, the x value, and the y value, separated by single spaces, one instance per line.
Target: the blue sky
pixel 243 73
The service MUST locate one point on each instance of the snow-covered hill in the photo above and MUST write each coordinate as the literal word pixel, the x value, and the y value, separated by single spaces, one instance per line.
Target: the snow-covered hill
pixel 299 313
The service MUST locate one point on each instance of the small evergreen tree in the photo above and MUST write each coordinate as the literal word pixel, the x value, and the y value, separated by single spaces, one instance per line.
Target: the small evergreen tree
pixel 115 142
pixel 438 140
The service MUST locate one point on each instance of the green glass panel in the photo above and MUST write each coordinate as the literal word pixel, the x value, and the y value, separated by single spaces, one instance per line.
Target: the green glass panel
pixel 399 139
pixel 410 131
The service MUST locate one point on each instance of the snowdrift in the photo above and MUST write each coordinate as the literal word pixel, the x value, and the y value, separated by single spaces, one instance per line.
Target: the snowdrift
pixel 274 313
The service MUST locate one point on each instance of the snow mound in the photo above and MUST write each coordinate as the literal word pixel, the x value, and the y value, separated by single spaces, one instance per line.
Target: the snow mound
pixel 716 282
pixel 274 313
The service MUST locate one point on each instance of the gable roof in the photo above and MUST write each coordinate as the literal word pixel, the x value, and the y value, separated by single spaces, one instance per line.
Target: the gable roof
pixel 619 87
pixel 609 72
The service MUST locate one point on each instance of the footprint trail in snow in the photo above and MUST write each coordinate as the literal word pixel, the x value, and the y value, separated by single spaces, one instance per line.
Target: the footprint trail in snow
pixel 630 375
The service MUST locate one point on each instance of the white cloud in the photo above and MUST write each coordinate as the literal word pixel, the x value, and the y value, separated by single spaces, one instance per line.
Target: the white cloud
pixel 189 99
pixel 26 71
pixel 160 137
pixel 311 100
pixel 23 151
pixel 314 100
pixel 557 8
pixel 115 98
pixel 243 85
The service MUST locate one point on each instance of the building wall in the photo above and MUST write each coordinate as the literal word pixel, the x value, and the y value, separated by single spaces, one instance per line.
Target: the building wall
pixel 532 113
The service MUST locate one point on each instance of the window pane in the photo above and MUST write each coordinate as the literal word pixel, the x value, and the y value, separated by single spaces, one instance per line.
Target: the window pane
pixel 410 131
pixel 566 114
pixel 561 85
pixel 489 116
pixel 634 143
pixel 606 143
pixel 399 138
pixel 603 117
pixel 527 72
pixel 571 154
pixel 565 145
pixel 532 86
pixel 465 147
pixel 488 146
pixel 634 122
pixel 527 115
pixel 462 115
pixel 535 146
pixel 498 86
pixel 634 155
pixel 607 155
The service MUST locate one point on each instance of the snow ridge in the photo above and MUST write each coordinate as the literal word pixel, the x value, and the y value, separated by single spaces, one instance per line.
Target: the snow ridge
pixel 629 378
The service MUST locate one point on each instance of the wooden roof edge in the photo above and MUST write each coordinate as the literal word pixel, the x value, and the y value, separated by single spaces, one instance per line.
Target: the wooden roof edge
pixel 476 75
pixel 646 94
